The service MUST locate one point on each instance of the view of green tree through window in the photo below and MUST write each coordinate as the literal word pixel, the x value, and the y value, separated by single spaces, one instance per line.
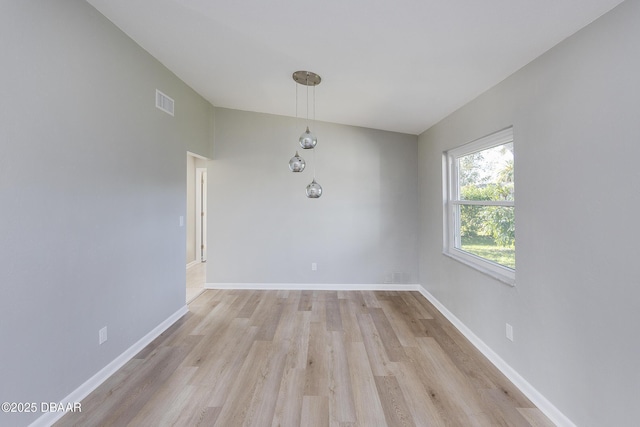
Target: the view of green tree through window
pixel 486 230
pixel 481 204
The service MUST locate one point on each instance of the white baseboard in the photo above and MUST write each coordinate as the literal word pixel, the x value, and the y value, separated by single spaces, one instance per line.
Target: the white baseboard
pixel 92 383
pixel 557 417
pixel 315 286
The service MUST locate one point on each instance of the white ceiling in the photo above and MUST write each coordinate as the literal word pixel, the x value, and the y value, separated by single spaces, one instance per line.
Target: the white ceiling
pixel 397 65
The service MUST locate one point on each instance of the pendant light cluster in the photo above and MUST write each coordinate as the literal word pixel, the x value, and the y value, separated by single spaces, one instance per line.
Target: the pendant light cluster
pixel 307 140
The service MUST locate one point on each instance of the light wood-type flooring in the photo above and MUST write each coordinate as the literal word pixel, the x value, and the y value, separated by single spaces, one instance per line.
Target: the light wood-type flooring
pixel 308 358
pixel 195 280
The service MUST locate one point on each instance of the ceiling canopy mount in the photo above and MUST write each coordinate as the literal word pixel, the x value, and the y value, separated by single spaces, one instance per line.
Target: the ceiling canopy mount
pixel 306 78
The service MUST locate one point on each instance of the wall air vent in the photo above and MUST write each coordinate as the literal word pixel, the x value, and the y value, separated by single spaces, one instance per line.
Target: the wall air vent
pixel 164 103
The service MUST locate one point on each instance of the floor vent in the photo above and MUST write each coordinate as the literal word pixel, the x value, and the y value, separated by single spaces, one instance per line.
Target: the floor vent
pixel 164 103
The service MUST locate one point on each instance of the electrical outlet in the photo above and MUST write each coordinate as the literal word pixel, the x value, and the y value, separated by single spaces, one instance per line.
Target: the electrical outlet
pixel 314 266
pixel 102 335
pixel 181 221
pixel 509 332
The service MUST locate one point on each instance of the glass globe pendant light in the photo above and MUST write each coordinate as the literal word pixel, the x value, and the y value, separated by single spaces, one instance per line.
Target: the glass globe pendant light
pixel 308 140
pixel 297 163
pixel 314 190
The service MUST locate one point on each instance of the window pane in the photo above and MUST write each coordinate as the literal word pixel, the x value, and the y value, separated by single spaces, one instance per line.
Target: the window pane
pixel 487 174
pixel 479 209
pixel 488 232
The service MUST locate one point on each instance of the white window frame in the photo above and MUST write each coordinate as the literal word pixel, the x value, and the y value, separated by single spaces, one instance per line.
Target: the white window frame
pixel 451 238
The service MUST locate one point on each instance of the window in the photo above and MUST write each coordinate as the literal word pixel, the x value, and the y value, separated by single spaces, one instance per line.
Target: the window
pixel 480 205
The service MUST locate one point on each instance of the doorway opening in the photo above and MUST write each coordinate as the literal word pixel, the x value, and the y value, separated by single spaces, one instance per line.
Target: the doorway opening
pixel 196 225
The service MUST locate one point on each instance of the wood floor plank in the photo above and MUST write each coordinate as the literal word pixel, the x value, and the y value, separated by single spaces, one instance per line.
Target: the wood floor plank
pixel 306 301
pixel 350 326
pixel 407 311
pixel 425 411
pixel 395 408
pixel 430 308
pixel 267 316
pixel 317 366
pixel 219 313
pixel 334 318
pixel 293 330
pixel 299 342
pixel 399 323
pixel 467 363
pixel 359 304
pixel 504 412
pixel 220 372
pixel 250 305
pixel 283 293
pixel 469 403
pixel 412 300
pixel 310 358
pixel 164 336
pixel 210 344
pixel 288 410
pixel 267 387
pixel 444 407
pixel 378 359
pixel 286 323
pixel 239 411
pixel 165 406
pixel 535 417
pixel 205 417
pixel 370 299
pixel 190 415
pixel 388 336
pixel 472 363
pixel 340 391
pixel 315 411
pixel 369 411
pixel 319 307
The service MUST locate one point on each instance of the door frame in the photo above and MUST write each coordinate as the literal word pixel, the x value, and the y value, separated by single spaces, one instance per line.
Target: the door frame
pixel 201 214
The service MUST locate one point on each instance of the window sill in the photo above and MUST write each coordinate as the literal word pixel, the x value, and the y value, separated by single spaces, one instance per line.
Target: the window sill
pixel 508 277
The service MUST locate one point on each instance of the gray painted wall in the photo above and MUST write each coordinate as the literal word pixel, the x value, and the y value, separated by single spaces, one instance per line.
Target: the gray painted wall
pixel 92 184
pixel 262 227
pixel 576 305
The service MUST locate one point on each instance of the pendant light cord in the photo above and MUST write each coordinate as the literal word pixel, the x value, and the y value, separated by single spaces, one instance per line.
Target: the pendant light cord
pixel 307 99
pixel 314 127
pixel 314 163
